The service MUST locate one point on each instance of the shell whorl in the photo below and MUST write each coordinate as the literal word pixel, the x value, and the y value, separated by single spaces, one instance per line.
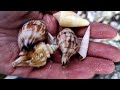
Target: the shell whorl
pixel 68 43
pixel 47 49
pixel 32 32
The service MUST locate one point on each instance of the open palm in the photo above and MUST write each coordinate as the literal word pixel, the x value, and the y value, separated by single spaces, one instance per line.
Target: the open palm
pixel 100 59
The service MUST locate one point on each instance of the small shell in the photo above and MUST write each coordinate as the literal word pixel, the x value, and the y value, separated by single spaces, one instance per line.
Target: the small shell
pixel 70 19
pixel 85 44
pixel 68 43
pixel 36 57
pixel 32 32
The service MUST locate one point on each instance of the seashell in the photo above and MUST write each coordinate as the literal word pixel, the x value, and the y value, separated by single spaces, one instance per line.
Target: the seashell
pixel 70 19
pixel 36 57
pixel 68 44
pixel 32 32
pixel 84 44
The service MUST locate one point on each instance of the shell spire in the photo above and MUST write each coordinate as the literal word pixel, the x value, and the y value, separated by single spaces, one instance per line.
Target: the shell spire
pixel 36 57
pixel 70 19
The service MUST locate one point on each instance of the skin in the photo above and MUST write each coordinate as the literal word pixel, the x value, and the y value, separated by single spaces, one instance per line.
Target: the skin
pixel 99 60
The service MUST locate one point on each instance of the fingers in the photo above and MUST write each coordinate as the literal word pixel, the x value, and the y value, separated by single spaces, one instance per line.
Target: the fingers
pixel 55 71
pixel 75 70
pixel 96 50
pixel 104 51
pixel 98 65
pixel 51 24
pixel 98 31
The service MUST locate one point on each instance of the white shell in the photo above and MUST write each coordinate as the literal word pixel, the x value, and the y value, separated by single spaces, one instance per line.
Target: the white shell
pixel 70 19
pixel 85 44
pixel 32 32
pixel 37 57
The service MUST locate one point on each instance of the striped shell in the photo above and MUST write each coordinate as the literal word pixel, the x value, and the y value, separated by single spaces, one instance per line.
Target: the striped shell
pixel 32 32
pixel 68 43
pixel 36 57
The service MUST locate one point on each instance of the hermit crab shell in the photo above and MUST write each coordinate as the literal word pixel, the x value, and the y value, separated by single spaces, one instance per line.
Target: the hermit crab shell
pixel 70 19
pixel 36 57
pixel 32 32
pixel 68 43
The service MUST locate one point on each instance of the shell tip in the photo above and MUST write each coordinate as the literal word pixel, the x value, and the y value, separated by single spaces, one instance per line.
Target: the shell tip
pixel 65 60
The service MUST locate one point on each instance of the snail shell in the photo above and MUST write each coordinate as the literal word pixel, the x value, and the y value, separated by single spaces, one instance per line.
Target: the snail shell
pixel 32 32
pixel 70 19
pixel 68 44
pixel 36 57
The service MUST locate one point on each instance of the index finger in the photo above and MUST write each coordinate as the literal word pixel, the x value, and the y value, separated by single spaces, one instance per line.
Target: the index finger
pixel 98 31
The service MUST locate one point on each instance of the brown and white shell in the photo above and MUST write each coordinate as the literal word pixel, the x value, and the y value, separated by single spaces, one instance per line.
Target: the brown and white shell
pixel 68 44
pixel 32 32
pixel 36 57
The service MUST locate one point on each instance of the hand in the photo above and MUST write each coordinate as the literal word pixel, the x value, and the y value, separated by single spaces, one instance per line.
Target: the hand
pixel 100 59
pixel 10 23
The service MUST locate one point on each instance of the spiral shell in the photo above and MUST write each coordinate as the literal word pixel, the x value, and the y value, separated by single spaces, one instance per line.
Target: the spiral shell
pixel 36 57
pixel 32 32
pixel 70 19
pixel 68 43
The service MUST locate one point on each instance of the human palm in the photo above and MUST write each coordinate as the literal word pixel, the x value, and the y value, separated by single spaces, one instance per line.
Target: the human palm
pixel 100 59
